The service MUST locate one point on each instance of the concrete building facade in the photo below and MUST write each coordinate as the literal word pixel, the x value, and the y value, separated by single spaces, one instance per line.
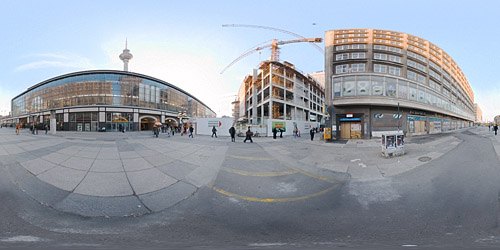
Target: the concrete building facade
pixel 278 95
pixel 379 80
pixel 478 113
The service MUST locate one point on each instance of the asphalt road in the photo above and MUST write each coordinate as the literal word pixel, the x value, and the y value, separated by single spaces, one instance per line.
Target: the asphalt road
pixel 260 202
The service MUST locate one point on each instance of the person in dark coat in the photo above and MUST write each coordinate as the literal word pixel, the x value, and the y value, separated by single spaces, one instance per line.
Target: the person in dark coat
pixel 281 133
pixel 191 129
pixel 214 132
pixel 495 128
pixel 232 132
pixel 312 133
pixel 248 136
pixel 274 133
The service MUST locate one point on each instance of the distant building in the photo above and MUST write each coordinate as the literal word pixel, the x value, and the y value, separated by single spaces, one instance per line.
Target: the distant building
pixel 319 77
pixel 497 119
pixel 278 95
pixel 478 113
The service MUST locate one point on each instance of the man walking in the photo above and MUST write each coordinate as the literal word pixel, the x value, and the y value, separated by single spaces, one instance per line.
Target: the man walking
pixel 248 136
pixel 191 131
pixel 274 133
pixel 214 132
pixel 281 132
pixel 18 127
pixel 495 128
pixel 46 128
pixel 232 132
pixel 312 133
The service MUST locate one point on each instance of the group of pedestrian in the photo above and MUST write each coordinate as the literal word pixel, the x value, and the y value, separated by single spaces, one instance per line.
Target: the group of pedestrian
pixel 275 131
pixel 248 135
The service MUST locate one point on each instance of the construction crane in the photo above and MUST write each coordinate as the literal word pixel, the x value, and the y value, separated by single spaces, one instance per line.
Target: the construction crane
pixel 274 49
pixel 271 28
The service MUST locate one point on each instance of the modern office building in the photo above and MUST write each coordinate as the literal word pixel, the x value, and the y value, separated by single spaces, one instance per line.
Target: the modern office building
pixel 380 80
pixel 478 113
pixel 111 99
pixel 277 92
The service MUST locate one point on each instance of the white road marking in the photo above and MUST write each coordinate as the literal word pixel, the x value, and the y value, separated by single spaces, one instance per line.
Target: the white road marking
pixel 22 238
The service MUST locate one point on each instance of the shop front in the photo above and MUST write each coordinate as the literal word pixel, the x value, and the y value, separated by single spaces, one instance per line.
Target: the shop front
pixel 350 128
pixel 417 125
pixel 434 125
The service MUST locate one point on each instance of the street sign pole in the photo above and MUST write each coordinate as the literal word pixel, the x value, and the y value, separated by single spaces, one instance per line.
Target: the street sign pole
pixel 399 117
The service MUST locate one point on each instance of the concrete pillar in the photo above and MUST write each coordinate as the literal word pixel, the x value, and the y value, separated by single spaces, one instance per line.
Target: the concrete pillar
pixel 270 91
pixel 102 118
pixel 53 123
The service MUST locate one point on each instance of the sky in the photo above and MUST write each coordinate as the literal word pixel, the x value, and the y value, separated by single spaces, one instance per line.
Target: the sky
pixel 184 43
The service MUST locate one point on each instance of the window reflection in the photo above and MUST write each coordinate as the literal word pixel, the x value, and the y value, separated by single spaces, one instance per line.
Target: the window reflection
pixel 107 89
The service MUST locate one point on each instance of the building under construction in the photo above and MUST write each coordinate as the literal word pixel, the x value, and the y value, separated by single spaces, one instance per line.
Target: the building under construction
pixel 277 95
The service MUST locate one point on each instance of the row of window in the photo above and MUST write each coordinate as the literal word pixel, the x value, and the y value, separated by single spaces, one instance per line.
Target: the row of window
pixel 387 48
pixel 392 70
pixel 349 86
pixel 392 58
pixel 351 46
pixel 344 56
pixel 346 68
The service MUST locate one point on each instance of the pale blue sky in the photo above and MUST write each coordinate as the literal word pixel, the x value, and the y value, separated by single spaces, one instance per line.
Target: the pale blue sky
pixel 182 42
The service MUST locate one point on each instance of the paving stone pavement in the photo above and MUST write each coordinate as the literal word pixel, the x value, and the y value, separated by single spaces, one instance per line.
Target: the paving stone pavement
pixel 130 174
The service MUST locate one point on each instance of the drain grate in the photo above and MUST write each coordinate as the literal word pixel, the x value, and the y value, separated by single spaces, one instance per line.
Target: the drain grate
pixel 424 159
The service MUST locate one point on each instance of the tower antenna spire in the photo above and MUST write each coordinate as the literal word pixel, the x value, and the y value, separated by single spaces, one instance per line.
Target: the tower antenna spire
pixel 126 56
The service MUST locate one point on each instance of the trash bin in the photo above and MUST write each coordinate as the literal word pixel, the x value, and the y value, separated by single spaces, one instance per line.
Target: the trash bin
pixel 328 133
pixel 393 144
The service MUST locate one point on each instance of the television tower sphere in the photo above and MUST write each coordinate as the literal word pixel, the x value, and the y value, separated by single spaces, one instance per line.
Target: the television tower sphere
pixel 125 56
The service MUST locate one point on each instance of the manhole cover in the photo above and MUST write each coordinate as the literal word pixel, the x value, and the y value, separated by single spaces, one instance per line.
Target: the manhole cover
pixel 424 159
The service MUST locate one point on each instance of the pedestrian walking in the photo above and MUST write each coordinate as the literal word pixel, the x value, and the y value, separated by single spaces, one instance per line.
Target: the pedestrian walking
pixel 191 129
pixel 156 131
pixel 46 128
pixel 295 130
pixel 495 128
pixel 281 132
pixel 232 132
pixel 214 132
pixel 18 127
pixel 489 127
pixel 274 133
pixel 249 135
pixel 312 133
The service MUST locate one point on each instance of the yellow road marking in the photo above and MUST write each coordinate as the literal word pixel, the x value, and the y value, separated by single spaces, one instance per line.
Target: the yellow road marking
pixel 260 174
pixel 275 199
pixel 250 158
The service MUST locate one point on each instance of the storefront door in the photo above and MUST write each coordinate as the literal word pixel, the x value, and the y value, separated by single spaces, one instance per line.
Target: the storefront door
pixel 350 130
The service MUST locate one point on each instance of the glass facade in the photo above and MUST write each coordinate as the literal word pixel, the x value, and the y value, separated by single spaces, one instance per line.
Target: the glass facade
pixel 391 87
pixel 113 88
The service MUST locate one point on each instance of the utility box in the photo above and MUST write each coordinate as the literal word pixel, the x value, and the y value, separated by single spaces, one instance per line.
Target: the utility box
pixel 328 134
pixel 393 144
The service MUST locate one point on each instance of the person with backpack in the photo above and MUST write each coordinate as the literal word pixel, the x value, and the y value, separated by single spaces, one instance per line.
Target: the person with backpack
pixel 214 132
pixel 249 135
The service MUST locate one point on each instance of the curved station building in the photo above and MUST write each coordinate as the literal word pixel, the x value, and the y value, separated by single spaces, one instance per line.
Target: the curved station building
pixel 379 81
pixel 110 99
